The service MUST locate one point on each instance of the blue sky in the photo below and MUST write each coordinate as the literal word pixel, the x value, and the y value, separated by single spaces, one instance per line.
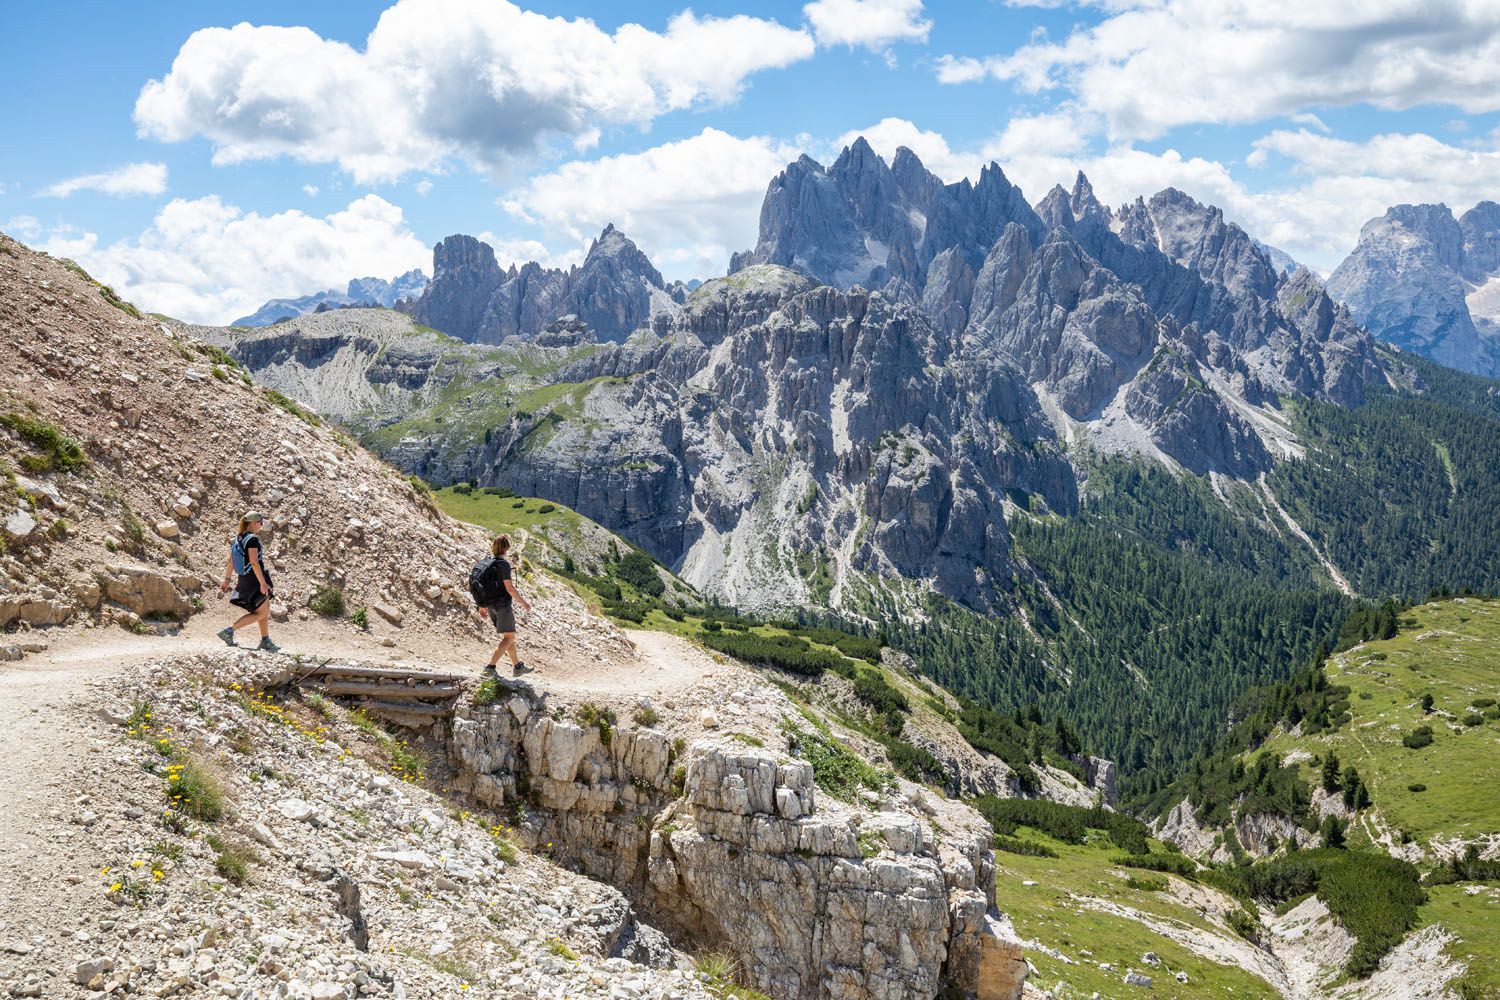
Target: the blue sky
pixel 204 170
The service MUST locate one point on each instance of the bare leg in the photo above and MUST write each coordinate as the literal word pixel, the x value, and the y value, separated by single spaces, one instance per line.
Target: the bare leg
pixel 244 621
pixel 263 617
pixel 507 645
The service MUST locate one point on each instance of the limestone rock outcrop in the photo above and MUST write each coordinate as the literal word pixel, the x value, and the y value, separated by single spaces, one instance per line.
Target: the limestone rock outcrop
pixel 735 847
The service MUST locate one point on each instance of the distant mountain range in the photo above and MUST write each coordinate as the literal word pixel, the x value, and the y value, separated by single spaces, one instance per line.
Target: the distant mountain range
pixel 361 292
pixel 1429 283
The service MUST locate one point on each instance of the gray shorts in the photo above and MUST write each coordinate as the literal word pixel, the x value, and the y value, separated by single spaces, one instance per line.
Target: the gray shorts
pixel 504 617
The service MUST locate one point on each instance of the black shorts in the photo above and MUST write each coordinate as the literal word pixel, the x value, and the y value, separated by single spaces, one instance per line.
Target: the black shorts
pixel 504 617
pixel 247 593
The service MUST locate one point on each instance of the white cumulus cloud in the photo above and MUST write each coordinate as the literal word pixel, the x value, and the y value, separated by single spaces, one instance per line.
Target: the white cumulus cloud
pixel 483 81
pixel 1152 65
pixel 873 24
pixel 131 179
pixel 687 204
pixel 206 261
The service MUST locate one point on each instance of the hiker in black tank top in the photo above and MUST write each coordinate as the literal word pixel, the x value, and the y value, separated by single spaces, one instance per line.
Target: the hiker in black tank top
pixel 253 590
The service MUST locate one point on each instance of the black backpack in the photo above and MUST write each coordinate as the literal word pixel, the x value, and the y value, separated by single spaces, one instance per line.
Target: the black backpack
pixel 485 585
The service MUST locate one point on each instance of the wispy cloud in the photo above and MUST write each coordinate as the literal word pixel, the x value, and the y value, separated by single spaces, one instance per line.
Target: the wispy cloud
pixel 131 179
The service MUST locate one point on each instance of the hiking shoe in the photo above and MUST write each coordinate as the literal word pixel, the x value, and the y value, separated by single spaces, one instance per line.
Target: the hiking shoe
pixel 519 669
pixel 489 672
pixel 267 646
pixel 227 634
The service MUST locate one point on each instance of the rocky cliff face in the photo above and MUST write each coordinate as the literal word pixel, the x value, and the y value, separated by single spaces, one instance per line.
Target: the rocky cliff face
pixel 615 291
pixel 1429 283
pixel 734 847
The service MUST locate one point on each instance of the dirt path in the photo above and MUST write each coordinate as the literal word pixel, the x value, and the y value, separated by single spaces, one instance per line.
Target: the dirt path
pixel 63 786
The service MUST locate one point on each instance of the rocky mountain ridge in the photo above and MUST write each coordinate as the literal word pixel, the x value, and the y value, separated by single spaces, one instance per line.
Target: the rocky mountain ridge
pixel 1001 338
pixel 360 292
pixel 613 292
pixel 1429 283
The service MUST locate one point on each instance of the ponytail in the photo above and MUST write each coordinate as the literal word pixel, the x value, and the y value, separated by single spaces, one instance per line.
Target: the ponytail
pixel 244 527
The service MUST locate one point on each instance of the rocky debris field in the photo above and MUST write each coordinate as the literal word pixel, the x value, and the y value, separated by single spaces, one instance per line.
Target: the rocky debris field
pixel 220 842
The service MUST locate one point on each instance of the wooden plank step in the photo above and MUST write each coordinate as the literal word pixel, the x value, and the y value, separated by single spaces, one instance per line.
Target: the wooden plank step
pixel 406 708
pixel 394 673
pixel 422 692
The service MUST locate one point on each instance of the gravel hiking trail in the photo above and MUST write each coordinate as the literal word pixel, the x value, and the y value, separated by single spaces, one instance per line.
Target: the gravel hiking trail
pixel 60 770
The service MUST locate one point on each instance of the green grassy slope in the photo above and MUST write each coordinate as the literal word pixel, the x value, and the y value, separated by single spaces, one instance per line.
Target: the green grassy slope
pixel 1451 651
pixel 1424 796
pixel 1062 912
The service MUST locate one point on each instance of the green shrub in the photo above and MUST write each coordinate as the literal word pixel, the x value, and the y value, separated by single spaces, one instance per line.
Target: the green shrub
pixel 1473 719
pixel 645 716
pixel 1375 897
pixel 836 769
pixel 1416 786
pixel 546 508
pixel 1243 923
pixel 54 449
pixel 232 860
pixel 195 788
pixel 786 652
pixel 913 762
pixel 487 693
pixel 1067 823
pixel 855 647
pixel 1030 848
pixel 361 618
pixel 1418 738
pixel 638 570
pixel 289 405
pixel 1146 884
pixel 113 299
pixel 871 687
pixel 327 601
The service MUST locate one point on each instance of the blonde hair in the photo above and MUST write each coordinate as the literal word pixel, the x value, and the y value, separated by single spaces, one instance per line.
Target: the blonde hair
pixel 244 525
pixel 500 546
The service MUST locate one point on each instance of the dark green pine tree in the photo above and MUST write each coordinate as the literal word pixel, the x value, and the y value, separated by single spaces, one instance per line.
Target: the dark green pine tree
pixel 1330 772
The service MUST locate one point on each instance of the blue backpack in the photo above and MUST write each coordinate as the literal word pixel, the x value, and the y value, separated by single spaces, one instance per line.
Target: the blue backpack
pixel 239 551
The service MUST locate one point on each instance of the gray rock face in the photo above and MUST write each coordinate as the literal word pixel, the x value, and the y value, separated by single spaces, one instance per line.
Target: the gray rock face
pixel 1429 283
pixel 746 856
pixel 361 292
pixel 615 291
pixel 465 277
pixel 862 222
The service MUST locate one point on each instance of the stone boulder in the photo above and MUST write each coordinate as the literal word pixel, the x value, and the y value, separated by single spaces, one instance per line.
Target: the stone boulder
pixel 144 591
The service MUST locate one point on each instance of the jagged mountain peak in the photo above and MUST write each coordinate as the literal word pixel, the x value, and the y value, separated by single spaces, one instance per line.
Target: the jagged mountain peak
pixel 614 291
